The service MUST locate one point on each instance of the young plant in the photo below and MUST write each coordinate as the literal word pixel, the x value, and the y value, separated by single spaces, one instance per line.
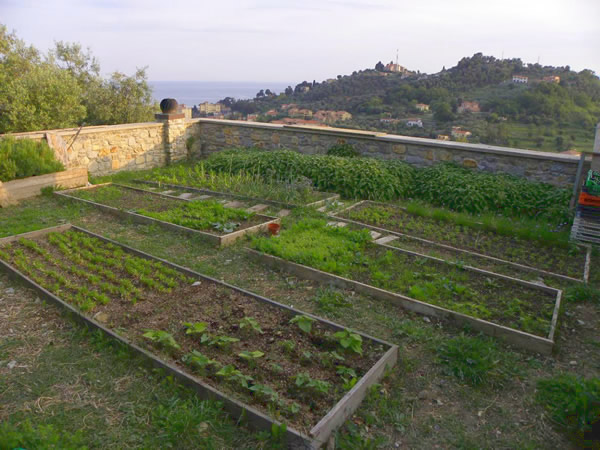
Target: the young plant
pixel 288 346
pixel 304 322
pixel 199 361
pixel 163 339
pixel 251 357
pixel 250 324
pixel 305 382
pixel 349 341
pixel 231 374
pixel 195 328
pixel 223 342
pixel 265 392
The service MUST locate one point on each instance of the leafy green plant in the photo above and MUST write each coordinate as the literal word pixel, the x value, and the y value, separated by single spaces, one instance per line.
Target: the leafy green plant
pixel 227 227
pixel 304 322
pixel 251 357
pixel 199 361
pixel 231 374
pixel 265 392
pixel 223 342
pixel 573 403
pixel 582 293
pixel 250 323
pixel 344 150
pixel 162 338
pixel 195 328
pixel 305 382
pixel 330 300
pixel 349 341
pixel 288 346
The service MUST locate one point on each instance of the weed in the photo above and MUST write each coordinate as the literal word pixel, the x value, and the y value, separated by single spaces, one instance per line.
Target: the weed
pixel 582 293
pixel 250 323
pixel 329 300
pixel 574 404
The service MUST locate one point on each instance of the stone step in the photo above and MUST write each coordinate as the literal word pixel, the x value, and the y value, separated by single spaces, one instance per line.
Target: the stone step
pixel 322 209
pixel 337 224
pixel 386 239
pixel 257 208
pixel 168 192
pixel 374 234
pixel 283 213
pixel 234 204
pixel 186 195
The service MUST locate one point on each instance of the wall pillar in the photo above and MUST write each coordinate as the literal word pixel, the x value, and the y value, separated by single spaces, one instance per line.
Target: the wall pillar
pixel 173 135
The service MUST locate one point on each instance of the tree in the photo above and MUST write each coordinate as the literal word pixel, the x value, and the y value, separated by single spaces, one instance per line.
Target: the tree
pixel 442 112
pixel 289 91
pixel 379 67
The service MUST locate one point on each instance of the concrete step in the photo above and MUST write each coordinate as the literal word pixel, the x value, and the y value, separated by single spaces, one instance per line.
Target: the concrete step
pixel 257 208
pixel 186 195
pixel 374 234
pixel 168 192
pixel 322 209
pixel 234 204
pixel 337 224
pixel 283 213
pixel 386 239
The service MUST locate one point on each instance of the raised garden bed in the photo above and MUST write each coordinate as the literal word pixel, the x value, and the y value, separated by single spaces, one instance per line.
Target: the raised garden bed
pixel 13 191
pixel 322 197
pixel 209 219
pixel 569 263
pixel 523 313
pixel 268 363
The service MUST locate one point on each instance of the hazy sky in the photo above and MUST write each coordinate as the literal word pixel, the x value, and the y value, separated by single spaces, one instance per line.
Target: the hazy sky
pixel 296 40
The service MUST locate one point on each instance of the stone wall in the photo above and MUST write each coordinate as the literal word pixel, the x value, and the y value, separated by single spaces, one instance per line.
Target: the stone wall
pixel 557 169
pixel 108 149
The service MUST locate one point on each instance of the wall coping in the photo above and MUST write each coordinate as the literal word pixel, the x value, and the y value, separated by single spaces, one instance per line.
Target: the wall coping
pixel 86 130
pixel 398 139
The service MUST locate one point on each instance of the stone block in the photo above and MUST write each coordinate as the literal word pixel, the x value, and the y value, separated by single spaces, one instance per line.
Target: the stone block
pixel 470 163
pixel 399 149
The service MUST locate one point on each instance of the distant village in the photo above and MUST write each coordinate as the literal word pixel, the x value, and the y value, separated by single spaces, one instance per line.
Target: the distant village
pixel 292 114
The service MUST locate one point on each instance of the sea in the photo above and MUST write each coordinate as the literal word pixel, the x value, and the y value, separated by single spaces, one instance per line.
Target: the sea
pixel 194 92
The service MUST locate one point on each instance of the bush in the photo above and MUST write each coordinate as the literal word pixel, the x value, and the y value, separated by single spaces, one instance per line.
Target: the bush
pixel 21 158
pixel 574 404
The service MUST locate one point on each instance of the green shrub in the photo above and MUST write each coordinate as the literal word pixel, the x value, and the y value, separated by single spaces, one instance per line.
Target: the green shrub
pixel 345 150
pixel 464 190
pixel 445 185
pixel 26 435
pixel 367 178
pixel 475 360
pixel 21 158
pixel 574 404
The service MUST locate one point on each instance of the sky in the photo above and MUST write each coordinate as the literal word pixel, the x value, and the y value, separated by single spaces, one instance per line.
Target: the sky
pixel 295 40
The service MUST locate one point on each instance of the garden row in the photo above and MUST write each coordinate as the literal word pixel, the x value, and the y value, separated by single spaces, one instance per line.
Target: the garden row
pixel 525 313
pixel 461 238
pixel 218 221
pixel 445 185
pixel 289 365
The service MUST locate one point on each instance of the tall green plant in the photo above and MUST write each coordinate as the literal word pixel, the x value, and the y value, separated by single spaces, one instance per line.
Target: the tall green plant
pixel 21 158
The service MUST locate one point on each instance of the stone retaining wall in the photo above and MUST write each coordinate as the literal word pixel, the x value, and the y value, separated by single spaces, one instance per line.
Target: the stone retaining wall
pixel 557 169
pixel 107 149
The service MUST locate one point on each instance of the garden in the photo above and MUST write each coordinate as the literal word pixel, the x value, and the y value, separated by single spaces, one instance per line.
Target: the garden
pixel 495 252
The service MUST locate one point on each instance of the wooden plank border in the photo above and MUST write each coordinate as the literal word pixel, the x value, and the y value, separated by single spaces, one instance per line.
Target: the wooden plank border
pixel 237 409
pixel 238 196
pixel 518 338
pixel 449 247
pixel 224 240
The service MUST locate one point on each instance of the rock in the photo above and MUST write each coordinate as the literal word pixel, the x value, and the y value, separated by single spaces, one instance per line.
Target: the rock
pixel 572 363
pixel 196 283
pixel 580 322
pixel 426 319
pixel 101 317
pixel 11 365
pixel 9 291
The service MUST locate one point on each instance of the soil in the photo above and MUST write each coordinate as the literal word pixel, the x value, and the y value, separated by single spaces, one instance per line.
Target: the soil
pixel 223 309
pixel 135 201
pixel 551 258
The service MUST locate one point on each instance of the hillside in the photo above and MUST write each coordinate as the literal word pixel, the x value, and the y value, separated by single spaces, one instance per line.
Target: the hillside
pixel 555 110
